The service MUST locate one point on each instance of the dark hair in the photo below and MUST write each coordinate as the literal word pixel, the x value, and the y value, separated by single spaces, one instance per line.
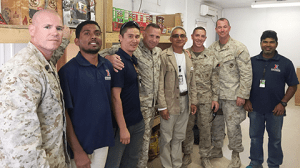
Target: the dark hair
pixel 199 28
pixel 80 26
pixel 269 34
pixel 222 19
pixel 129 24
pixel 152 25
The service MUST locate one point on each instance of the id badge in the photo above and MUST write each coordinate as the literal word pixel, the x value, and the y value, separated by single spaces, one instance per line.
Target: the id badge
pixel 180 80
pixel 262 83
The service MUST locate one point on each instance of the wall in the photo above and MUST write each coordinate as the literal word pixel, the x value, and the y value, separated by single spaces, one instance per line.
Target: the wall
pixel 247 25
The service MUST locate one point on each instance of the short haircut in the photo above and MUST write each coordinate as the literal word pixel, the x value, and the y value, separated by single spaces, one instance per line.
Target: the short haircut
pixel 80 26
pixel 177 27
pixel 269 34
pixel 222 19
pixel 152 25
pixel 199 28
pixel 127 25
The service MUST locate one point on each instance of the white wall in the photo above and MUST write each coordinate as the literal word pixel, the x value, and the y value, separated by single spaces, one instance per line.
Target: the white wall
pixel 189 8
pixel 247 25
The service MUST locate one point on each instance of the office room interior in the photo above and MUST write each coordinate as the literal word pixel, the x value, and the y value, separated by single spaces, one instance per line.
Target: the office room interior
pixel 247 25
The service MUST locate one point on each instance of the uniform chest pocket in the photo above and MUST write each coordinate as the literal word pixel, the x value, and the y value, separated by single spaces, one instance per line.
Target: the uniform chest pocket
pixel 230 63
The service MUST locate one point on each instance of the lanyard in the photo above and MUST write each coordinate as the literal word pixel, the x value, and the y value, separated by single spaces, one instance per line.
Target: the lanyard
pixel 264 72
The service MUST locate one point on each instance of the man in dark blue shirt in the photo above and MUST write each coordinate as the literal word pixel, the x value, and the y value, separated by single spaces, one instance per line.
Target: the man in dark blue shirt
pixel 86 84
pixel 268 99
pixel 129 124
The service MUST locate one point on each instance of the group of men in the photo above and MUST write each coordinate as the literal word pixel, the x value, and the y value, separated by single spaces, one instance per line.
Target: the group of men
pixel 98 112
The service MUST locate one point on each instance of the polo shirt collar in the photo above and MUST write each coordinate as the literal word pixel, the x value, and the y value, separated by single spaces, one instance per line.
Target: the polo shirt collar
pixel 83 62
pixel 276 56
pixel 128 57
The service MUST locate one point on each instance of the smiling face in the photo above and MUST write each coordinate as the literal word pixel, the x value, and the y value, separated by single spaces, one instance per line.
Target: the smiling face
pixel 130 40
pixel 151 37
pixel 46 32
pixel 268 46
pixel 178 38
pixel 223 28
pixel 199 37
pixel 89 40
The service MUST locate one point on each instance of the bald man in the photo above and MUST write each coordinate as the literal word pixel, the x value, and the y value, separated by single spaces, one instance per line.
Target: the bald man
pixel 32 126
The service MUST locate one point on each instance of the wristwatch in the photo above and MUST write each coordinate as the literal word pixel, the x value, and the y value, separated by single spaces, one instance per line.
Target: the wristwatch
pixel 283 103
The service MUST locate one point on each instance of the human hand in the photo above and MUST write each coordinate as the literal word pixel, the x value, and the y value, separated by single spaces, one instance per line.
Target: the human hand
pixel 215 104
pixel 116 62
pixel 193 109
pixel 240 101
pixel 124 136
pixel 67 33
pixel 82 160
pixel 164 114
pixel 248 106
pixel 187 51
pixel 279 109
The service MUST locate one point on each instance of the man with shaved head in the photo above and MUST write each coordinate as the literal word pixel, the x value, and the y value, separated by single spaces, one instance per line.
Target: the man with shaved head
pixel 32 126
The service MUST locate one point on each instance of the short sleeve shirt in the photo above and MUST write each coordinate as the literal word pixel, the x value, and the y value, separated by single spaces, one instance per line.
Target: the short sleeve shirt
pixel 278 71
pixel 128 81
pixel 87 95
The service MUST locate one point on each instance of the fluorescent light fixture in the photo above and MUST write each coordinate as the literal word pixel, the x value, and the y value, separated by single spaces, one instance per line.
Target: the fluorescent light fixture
pixel 270 4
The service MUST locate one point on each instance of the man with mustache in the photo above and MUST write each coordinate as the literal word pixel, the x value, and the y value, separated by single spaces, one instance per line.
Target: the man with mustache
pixel 268 100
pixel 176 98
pixel 129 125
pixel 207 81
pixel 235 83
pixel 86 83
pixel 32 124
pixel 148 66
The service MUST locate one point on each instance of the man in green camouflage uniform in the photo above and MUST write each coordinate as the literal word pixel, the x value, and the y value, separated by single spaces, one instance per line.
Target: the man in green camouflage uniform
pixel 235 83
pixel 148 72
pixel 207 82
pixel 32 122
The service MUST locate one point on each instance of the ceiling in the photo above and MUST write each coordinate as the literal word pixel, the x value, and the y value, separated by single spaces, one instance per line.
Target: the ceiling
pixel 235 3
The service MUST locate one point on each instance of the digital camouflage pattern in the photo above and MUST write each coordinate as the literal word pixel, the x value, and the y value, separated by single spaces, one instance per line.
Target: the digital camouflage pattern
pixel 207 81
pixel 32 122
pixel 235 70
pixel 148 75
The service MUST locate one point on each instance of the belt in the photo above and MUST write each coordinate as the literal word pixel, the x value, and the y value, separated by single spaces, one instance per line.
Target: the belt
pixel 184 93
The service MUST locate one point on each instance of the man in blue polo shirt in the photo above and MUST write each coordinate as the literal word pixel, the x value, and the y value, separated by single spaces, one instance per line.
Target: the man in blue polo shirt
pixel 268 99
pixel 86 84
pixel 128 124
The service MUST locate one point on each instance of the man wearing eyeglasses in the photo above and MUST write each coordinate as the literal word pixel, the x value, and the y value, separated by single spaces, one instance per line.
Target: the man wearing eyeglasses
pixel 148 66
pixel 128 121
pixel 176 98
pixel 235 83
pixel 207 81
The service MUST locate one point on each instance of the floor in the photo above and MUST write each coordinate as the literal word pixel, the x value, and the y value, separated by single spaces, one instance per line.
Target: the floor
pixel 290 144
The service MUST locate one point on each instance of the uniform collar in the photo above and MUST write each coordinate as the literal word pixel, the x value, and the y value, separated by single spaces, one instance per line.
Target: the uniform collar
pixel 83 62
pixel 143 47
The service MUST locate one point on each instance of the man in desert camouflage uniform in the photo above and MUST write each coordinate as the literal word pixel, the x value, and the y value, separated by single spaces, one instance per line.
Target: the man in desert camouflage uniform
pixel 148 71
pixel 235 83
pixel 207 82
pixel 32 125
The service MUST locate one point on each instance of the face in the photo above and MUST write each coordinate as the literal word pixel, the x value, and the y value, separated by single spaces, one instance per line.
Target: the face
pixel 268 46
pixel 223 28
pixel 199 37
pixel 178 38
pixel 151 37
pixel 89 40
pixel 46 33
pixel 130 40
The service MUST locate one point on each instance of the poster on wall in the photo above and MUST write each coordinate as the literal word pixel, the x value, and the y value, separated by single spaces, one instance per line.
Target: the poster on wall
pixel 75 12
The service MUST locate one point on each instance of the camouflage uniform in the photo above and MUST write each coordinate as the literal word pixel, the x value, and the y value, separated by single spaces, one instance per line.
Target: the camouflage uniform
pixel 32 121
pixel 235 81
pixel 148 72
pixel 207 82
